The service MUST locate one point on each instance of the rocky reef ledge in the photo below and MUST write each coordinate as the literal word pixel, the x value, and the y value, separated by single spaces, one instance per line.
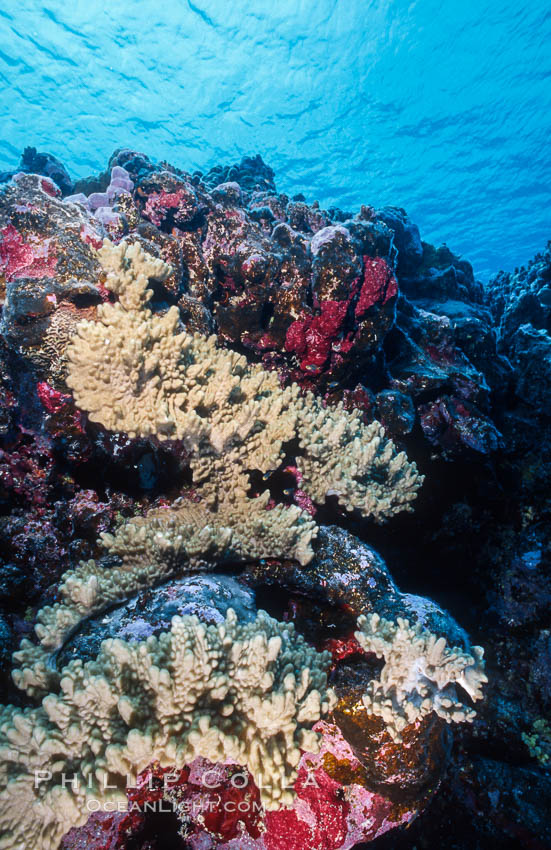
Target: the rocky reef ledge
pixel 245 442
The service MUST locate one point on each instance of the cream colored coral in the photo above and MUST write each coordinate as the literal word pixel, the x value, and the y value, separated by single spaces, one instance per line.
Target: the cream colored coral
pixel 247 693
pixel 188 535
pixel 184 537
pixel 134 371
pixel 355 462
pixel 419 675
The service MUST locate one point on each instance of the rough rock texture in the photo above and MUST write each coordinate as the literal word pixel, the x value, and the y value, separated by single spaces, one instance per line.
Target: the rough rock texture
pixel 521 304
pixel 311 293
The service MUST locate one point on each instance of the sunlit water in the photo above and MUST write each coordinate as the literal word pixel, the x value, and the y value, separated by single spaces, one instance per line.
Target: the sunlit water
pixel 443 108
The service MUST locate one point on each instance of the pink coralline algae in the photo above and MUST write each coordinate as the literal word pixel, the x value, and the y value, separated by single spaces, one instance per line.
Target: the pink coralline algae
pixel 378 285
pixel 200 806
pixel 217 807
pixel 180 206
pixel 104 831
pixel 341 648
pixel 304 501
pixel 33 258
pixel 25 475
pixel 312 338
pixel 63 419
pixel 90 236
pixel 300 498
pixel 50 188
pixel 331 810
pixel 53 400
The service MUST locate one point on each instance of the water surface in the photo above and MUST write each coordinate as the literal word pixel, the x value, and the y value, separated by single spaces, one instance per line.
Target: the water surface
pixel 443 108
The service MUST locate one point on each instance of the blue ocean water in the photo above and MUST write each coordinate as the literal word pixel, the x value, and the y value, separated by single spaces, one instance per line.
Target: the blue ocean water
pixel 442 107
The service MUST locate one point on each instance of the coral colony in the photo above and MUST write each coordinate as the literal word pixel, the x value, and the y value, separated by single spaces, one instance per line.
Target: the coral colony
pixel 215 398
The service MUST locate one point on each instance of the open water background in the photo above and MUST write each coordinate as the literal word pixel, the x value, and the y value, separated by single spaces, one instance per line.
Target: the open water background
pixel 443 108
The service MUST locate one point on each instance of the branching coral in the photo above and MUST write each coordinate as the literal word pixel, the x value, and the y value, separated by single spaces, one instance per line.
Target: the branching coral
pixel 187 533
pixel 352 461
pixel 167 541
pixel 419 675
pixel 133 371
pixel 247 693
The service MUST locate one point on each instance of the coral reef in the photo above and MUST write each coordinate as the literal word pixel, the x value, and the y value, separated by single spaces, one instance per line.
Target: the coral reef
pixel 419 674
pixel 215 410
pixel 131 371
pixel 207 599
pixel 247 694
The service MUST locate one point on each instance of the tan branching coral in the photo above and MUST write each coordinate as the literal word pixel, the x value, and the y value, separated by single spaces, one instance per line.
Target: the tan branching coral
pixel 134 371
pixel 169 541
pixel 248 693
pixel 353 461
pixel 419 674
pixel 188 535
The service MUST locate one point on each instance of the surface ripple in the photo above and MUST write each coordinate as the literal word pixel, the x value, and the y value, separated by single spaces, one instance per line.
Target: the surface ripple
pixel 443 108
